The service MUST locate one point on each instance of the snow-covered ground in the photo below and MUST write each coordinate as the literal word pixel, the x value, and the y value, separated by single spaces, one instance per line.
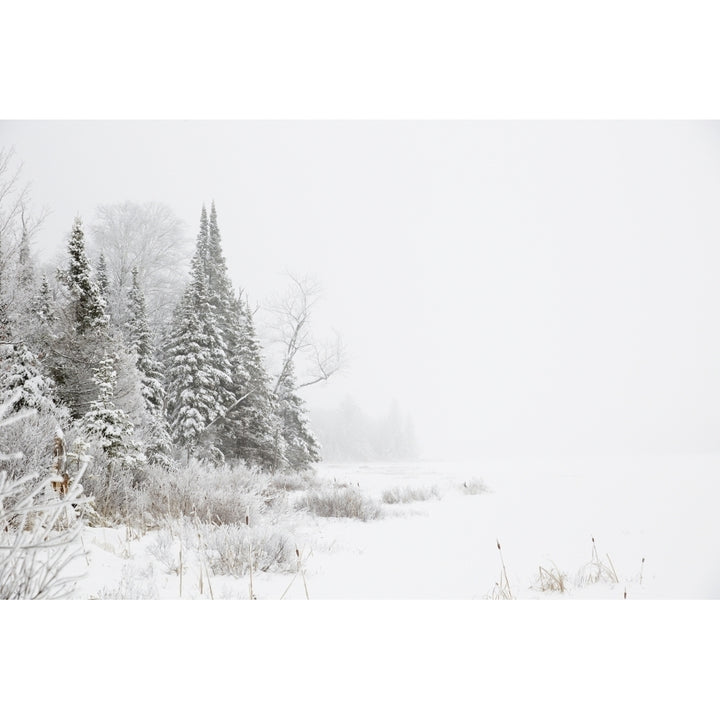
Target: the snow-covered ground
pixel 544 513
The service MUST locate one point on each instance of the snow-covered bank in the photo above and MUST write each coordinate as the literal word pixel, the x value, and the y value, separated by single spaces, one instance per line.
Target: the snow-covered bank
pixel 545 513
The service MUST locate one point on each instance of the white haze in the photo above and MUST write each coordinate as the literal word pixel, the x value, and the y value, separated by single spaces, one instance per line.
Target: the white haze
pixel 518 287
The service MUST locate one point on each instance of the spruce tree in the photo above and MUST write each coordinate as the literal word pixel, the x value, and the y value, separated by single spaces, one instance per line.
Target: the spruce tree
pixel 42 303
pixel 139 341
pixel 107 423
pixel 159 445
pixel 198 368
pixel 103 281
pixel 22 375
pixel 89 305
pixel 79 337
pixel 221 306
pixel 250 430
pixel 301 448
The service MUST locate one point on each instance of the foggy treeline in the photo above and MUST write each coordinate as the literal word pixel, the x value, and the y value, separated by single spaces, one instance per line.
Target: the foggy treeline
pixel 138 345
pixel 347 433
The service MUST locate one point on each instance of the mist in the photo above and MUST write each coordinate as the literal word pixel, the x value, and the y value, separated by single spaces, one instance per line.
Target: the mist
pixel 514 287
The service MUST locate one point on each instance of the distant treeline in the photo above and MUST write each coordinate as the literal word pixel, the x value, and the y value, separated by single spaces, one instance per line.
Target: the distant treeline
pixel 348 433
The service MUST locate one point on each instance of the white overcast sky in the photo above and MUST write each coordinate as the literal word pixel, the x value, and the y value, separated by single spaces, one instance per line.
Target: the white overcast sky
pixel 517 287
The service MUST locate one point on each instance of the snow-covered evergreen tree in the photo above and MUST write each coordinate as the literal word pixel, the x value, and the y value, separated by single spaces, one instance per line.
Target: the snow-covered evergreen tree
pixel 42 304
pixel 107 423
pixel 221 304
pixel 251 430
pixel 300 445
pixel 137 333
pixel 159 445
pixel 77 339
pixel 102 279
pixel 198 368
pixel 22 378
pixel 89 305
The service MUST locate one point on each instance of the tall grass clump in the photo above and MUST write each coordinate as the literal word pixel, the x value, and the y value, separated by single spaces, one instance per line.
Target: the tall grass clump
pixel 405 494
pixel 345 502
pixel 501 590
pixel 551 580
pixel 239 550
pixel 221 495
pixel 597 570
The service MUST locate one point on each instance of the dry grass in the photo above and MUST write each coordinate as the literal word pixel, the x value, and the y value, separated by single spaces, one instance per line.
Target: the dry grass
pixel 597 570
pixel 340 503
pixel 502 590
pixel 551 580
pixel 406 494
pixel 237 550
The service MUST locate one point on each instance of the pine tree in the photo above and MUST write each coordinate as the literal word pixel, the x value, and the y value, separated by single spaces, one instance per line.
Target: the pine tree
pixel 79 337
pixel 42 303
pixel 21 372
pixel 250 430
pixel 300 445
pixel 107 423
pixel 159 445
pixel 103 282
pixel 89 305
pixel 137 333
pixel 221 304
pixel 198 368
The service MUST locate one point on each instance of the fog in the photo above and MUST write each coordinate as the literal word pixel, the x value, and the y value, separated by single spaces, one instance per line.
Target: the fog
pixel 516 287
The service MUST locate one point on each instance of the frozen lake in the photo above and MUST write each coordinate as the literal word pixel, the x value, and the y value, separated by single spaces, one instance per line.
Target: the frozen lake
pixel 545 512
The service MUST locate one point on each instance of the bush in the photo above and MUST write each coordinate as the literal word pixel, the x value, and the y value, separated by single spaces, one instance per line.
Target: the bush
pixel 38 528
pixel 223 495
pixel 166 551
pixel 230 549
pixel 474 487
pixel 135 584
pixel 397 495
pixel 39 540
pixel 341 503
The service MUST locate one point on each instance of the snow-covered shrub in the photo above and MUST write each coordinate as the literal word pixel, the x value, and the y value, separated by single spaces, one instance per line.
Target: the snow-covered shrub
pixel 405 494
pixel 290 482
pixel 474 487
pixel 108 482
pixel 135 584
pixel 166 550
pixel 341 503
pixel 221 495
pixel 229 549
pixel 32 443
pixel 39 529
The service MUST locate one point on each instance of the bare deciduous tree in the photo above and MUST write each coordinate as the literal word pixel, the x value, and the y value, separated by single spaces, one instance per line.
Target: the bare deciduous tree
pixel 17 222
pixel 152 238
pixel 317 360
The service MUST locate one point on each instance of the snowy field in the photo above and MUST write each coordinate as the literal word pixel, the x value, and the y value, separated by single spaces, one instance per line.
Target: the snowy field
pixel 544 513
